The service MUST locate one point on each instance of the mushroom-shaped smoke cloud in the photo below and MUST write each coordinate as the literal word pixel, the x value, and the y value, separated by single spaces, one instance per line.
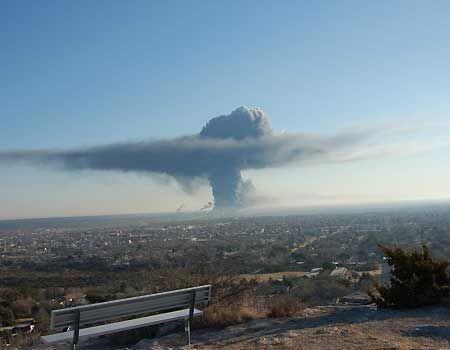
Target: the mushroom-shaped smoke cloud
pixel 225 146
pixel 225 178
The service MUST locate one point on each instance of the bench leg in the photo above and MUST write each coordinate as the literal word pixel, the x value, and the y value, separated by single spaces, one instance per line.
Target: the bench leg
pixel 189 319
pixel 187 329
pixel 76 330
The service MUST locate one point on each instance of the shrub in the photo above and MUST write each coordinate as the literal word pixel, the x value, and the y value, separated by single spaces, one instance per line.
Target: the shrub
pixel 285 306
pixel 416 279
pixel 320 290
pixel 23 307
pixel 7 317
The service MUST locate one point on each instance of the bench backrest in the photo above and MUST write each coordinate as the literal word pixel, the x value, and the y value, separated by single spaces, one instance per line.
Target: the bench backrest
pixel 146 304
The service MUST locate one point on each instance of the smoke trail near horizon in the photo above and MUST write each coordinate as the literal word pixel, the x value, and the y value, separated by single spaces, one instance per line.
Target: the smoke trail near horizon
pixel 224 147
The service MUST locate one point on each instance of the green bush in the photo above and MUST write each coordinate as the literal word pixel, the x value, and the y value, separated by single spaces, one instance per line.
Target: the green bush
pixel 416 279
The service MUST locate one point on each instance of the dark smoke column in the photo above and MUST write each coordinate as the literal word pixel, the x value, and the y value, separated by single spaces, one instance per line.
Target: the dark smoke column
pixel 226 180
pixel 225 184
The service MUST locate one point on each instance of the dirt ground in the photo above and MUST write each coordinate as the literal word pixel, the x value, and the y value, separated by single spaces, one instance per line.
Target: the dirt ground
pixel 323 328
pixel 328 328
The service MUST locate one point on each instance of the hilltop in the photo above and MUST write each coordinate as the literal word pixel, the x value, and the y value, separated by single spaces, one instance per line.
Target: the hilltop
pixel 321 328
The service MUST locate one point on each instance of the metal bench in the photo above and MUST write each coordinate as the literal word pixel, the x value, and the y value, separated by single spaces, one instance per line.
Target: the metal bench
pixel 162 307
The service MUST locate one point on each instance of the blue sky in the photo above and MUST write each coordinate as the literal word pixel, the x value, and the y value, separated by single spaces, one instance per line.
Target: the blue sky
pixel 94 72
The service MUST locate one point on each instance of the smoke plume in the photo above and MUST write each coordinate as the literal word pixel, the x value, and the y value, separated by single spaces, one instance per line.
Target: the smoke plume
pixel 225 146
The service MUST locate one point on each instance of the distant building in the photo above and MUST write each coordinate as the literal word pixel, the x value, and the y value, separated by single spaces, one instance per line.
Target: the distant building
pixel 355 299
pixel 339 272
pixel 314 272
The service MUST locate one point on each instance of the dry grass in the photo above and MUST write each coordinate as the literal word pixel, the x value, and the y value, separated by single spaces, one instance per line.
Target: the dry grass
pixel 285 306
pixel 222 316
pixel 21 340
pixel 264 277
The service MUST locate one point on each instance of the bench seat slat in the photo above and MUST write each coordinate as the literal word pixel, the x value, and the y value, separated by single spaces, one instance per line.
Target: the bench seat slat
pixel 139 298
pixel 94 316
pixel 105 315
pixel 129 307
pixel 121 326
pixel 99 315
